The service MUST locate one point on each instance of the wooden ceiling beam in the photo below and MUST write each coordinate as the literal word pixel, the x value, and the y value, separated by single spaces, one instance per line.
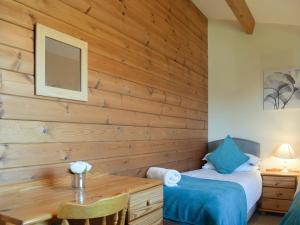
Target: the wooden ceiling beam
pixel 243 14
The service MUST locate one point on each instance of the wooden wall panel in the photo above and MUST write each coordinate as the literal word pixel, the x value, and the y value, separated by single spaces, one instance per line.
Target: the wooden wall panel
pixel 147 89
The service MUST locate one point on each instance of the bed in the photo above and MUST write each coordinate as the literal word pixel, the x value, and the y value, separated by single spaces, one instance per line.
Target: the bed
pixel 292 217
pixel 215 197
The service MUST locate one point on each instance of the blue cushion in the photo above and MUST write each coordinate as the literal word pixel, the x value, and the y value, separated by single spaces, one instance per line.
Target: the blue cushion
pixel 227 157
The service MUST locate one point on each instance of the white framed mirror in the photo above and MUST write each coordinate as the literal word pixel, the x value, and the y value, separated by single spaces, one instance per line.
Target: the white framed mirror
pixel 60 65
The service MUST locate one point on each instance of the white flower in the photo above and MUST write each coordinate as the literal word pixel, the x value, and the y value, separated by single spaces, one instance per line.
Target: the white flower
pixel 80 167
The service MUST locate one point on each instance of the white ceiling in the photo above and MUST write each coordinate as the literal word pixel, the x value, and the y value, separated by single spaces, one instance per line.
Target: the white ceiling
pixel 264 11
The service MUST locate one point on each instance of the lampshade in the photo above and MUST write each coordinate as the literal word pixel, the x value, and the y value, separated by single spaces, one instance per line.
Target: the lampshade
pixel 285 151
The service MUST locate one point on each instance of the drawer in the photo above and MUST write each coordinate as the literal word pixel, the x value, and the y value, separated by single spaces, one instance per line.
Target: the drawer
pixel 278 193
pixel 153 218
pixel 279 181
pixel 141 203
pixel 278 205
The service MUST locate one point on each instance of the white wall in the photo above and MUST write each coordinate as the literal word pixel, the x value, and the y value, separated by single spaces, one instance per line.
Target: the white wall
pixel 236 65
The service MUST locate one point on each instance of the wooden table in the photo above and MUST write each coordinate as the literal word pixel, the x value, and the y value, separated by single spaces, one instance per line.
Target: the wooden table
pixel 37 202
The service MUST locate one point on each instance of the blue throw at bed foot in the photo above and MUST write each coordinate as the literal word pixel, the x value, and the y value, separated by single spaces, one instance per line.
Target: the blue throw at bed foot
pixel 292 217
pixel 198 201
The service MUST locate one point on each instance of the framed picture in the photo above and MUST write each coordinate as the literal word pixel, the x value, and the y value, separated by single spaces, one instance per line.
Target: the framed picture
pixel 282 89
pixel 60 65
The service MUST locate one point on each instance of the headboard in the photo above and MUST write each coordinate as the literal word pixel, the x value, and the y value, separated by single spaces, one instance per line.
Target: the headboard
pixel 247 146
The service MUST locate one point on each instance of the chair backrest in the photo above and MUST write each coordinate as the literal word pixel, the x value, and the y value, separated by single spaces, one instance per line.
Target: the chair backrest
pixel 114 207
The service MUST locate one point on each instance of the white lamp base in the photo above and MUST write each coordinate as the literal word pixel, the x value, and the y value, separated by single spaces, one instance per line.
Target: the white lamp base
pixel 285 170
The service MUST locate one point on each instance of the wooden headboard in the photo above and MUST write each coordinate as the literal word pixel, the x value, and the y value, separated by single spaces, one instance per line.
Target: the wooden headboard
pixel 247 146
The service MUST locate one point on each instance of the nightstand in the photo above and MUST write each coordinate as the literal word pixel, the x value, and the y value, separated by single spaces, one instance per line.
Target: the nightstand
pixel 278 191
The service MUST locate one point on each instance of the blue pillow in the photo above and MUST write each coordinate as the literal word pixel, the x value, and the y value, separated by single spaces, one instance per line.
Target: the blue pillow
pixel 227 157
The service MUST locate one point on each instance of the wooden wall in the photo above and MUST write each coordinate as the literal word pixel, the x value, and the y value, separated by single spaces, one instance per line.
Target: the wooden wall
pixel 147 88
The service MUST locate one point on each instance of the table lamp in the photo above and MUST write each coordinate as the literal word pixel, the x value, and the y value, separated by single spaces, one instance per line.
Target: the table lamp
pixel 285 152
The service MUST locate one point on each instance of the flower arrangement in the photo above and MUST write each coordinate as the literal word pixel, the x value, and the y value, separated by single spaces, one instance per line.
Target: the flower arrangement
pixel 80 167
pixel 79 170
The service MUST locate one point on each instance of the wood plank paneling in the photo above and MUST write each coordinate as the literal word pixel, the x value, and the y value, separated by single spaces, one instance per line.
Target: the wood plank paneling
pixel 26 109
pixel 147 89
pixel 16 59
pixel 121 54
pixel 17 131
pixel 15 155
pixel 16 36
pixel 143 18
pixel 105 82
pixel 164 115
pixel 110 165
pixel 101 98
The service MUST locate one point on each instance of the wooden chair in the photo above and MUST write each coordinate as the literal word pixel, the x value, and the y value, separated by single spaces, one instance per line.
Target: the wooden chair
pixel 105 209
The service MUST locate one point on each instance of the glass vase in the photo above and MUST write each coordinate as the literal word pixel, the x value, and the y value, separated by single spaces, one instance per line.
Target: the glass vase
pixel 78 181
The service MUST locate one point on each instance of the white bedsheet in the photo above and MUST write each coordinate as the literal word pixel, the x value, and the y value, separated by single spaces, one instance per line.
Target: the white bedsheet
pixel 250 181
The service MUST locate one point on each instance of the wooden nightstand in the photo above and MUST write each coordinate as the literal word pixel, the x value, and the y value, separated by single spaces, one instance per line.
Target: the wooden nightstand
pixel 278 191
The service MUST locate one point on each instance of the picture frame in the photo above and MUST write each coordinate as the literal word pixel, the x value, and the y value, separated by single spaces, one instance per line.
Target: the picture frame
pixel 281 89
pixel 61 65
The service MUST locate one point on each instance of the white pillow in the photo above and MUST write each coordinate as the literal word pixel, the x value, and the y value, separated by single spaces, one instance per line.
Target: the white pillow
pixel 253 160
pixel 205 157
pixel 242 168
pixel 208 166
pixel 246 167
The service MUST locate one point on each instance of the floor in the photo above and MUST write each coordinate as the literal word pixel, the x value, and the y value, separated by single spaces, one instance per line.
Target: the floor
pixel 265 219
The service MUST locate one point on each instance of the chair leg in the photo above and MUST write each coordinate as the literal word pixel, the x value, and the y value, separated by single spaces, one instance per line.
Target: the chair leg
pixel 103 221
pixel 65 222
pixel 116 218
pixel 123 215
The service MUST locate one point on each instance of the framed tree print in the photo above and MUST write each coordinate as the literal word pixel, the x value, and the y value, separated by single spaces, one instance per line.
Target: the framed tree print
pixel 282 89
pixel 60 65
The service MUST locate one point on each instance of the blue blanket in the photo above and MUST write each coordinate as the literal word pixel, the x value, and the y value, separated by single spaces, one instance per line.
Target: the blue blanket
pixel 205 202
pixel 292 217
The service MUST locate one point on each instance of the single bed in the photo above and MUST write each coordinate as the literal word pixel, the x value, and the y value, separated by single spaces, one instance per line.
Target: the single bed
pixel 292 217
pixel 250 183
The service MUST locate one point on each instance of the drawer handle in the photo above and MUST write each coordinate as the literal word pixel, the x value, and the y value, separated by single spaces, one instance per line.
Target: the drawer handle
pixel 277 183
pixel 277 206
pixel 279 194
pixel 148 203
